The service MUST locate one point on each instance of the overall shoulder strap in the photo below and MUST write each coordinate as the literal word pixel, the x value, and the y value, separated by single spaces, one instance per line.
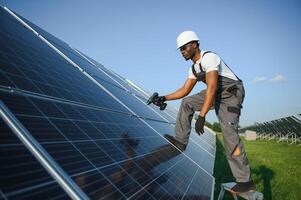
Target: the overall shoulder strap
pixel 232 71
pixel 207 52
pixel 200 65
pixel 225 64
pixel 193 70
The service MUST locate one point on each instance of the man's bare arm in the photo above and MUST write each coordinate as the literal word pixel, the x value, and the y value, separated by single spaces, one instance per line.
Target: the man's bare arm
pixel 211 81
pixel 183 91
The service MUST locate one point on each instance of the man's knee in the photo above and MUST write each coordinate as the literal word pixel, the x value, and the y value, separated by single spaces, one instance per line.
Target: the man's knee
pixel 236 151
pixel 186 104
pixel 231 140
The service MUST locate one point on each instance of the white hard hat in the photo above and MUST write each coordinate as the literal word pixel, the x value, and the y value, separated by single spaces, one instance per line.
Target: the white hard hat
pixel 186 37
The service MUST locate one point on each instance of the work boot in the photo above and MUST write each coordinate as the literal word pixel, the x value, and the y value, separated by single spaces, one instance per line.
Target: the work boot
pixel 242 187
pixel 175 142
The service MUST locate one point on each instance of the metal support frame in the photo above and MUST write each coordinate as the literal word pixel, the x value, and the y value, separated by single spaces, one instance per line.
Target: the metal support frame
pixel 294 139
pixel 264 135
pixel 274 136
pixel 50 165
pixel 298 140
pixel 259 135
pixel 280 138
pixel 267 136
pixel 283 138
pixel 289 135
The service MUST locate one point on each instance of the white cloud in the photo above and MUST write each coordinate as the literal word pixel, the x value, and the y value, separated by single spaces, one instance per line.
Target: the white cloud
pixel 259 79
pixel 278 78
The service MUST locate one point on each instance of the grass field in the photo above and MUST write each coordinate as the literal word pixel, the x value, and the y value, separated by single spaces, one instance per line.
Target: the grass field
pixel 275 168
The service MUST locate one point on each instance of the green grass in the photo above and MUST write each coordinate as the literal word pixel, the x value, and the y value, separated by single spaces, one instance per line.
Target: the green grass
pixel 275 168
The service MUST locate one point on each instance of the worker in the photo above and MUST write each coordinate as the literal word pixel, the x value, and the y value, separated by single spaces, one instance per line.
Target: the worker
pixel 224 92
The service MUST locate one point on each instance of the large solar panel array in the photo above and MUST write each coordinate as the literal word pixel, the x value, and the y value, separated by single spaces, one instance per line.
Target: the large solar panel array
pixel 72 128
pixel 283 126
pixel 284 129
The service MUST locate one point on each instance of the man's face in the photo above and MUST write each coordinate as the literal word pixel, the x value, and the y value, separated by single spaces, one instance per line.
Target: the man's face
pixel 188 50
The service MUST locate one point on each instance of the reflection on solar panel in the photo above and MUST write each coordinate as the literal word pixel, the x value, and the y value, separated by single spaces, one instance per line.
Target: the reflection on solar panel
pixel 74 129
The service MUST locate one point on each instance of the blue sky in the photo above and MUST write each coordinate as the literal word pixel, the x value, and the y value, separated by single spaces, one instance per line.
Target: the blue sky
pixel 259 40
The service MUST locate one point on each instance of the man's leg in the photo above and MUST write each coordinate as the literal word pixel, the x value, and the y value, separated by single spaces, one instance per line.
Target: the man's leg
pixel 228 112
pixel 234 147
pixel 188 106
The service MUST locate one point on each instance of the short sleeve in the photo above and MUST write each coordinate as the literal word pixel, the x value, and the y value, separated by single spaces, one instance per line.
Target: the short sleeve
pixel 190 74
pixel 210 62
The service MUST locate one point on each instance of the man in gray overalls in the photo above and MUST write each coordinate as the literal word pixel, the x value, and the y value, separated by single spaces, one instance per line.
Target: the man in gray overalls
pixel 224 92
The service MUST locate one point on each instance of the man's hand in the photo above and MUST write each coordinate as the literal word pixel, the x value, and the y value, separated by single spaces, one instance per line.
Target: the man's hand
pixel 199 125
pixel 159 100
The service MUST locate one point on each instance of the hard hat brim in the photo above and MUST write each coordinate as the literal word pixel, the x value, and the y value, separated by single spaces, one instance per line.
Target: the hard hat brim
pixel 186 43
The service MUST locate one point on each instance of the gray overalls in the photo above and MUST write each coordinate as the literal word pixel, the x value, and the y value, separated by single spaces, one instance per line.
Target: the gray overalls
pixel 228 103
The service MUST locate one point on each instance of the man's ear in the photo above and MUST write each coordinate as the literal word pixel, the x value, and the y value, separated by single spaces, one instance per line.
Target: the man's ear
pixel 194 45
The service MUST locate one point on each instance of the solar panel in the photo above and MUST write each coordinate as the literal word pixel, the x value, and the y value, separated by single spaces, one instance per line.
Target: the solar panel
pixel 93 124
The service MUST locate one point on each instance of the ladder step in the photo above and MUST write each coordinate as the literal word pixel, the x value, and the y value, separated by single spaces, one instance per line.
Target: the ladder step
pixel 254 195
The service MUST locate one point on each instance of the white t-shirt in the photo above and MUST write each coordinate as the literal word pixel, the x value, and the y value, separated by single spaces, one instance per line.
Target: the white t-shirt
pixel 210 62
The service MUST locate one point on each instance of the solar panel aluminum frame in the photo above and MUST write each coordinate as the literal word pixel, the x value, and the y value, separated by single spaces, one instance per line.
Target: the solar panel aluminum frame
pixel 41 154
pixel 137 87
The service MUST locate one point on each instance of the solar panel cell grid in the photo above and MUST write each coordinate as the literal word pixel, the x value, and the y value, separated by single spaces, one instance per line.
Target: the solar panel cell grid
pixel 82 153
pixel 21 175
pixel 31 65
pixel 102 78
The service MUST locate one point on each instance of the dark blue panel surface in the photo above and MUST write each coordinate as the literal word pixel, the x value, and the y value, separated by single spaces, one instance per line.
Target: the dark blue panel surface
pixel 21 175
pixel 29 64
pixel 197 151
pixel 127 154
pixel 106 78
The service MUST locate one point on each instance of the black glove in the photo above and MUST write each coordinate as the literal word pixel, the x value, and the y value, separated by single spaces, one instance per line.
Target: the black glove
pixel 159 100
pixel 199 125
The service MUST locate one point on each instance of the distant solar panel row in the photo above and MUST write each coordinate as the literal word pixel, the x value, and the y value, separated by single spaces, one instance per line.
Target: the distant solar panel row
pixel 93 123
pixel 284 126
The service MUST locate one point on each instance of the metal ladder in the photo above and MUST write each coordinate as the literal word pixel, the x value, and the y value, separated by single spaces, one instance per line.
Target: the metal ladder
pixel 248 195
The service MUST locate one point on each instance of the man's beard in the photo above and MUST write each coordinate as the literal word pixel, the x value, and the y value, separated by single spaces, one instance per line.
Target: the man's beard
pixel 189 57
